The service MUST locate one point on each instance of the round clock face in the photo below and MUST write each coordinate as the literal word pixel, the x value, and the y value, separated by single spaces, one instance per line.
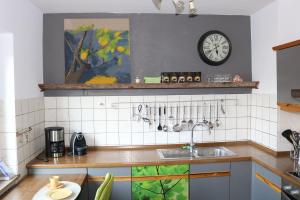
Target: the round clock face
pixel 214 48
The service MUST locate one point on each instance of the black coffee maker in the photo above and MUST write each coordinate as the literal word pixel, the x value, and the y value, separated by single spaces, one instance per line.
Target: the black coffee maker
pixel 78 145
pixel 55 142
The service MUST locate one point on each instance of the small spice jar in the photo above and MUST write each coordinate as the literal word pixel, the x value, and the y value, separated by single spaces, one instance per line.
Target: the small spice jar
pixel 173 77
pixel 181 78
pixel 137 79
pixel 165 78
pixel 189 77
pixel 197 76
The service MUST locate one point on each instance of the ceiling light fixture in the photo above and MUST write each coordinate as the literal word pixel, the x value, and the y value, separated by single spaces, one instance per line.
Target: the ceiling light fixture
pixel 192 8
pixel 157 3
pixel 179 6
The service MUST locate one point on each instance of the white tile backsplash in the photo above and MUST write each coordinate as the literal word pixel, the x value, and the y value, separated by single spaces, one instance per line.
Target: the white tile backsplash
pixel 62 102
pixel 65 125
pixel 109 123
pixel 28 138
pixel 50 102
pixel 125 138
pixel 75 127
pixel 87 114
pixel 62 115
pixel 250 116
pixel 88 127
pixel 100 139
pixel 87 102
pixel 263 120
pixel 50 116
pixel 74 102
pixel 100 127
pixel 112 138
pixel 100 114
pixel 74 114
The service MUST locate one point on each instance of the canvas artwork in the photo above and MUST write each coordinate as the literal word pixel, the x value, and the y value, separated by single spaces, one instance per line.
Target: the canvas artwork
pixel 175 189
pixel 97 51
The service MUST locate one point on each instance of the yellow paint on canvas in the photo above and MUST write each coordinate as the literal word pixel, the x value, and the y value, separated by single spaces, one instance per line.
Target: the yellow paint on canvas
pixel 117 34
pixel 84 54
pixel 120 49
pixel 102 80
pixel 103 41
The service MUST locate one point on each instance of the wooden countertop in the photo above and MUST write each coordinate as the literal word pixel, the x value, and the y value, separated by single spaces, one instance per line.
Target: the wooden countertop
pixel 138 157
pixel 31 184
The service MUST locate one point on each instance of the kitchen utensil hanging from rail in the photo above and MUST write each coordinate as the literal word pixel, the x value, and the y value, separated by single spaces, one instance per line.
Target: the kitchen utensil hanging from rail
pixel 180 115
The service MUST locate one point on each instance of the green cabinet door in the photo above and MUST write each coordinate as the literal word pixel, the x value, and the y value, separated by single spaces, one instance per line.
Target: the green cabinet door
pixel 163 182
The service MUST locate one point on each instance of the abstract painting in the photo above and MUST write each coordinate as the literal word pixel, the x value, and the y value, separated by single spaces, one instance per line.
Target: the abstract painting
pixel 97 51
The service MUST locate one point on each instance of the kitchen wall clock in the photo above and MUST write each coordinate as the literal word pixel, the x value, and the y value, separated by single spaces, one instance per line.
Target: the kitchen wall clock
pixel 214 48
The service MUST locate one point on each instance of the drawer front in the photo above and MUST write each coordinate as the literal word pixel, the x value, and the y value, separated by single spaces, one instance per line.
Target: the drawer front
pixel 267 174
pixel 215 167
pixel 116 171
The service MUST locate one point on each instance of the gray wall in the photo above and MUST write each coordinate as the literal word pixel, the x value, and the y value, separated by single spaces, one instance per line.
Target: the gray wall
pixel 288 71
pixel 159 42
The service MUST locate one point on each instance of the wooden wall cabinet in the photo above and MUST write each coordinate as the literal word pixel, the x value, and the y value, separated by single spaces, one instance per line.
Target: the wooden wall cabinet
pixel 288 82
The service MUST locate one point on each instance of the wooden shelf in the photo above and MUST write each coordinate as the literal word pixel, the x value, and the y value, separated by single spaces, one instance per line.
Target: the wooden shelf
pixel 286 45
pixel 289 107
pixel 204 85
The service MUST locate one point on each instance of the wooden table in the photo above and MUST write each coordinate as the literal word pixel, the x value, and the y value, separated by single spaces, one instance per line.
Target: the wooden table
pixel 31 184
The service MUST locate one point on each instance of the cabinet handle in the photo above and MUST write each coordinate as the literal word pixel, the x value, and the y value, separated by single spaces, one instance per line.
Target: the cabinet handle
pixel 140 178
pixel 195 175
pixel 209 174
pixel 266 181
pixel 116 178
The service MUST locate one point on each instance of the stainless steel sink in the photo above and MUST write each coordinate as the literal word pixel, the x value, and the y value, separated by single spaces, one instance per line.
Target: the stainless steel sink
pixel 200 152
pixel 213 152
pixel 175 153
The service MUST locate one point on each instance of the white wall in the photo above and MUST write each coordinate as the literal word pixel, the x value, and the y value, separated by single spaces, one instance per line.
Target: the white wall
pixel 25 22
pixel 264 33
pixel 21 66
pixel 273 25
pixel 7 97
pixel 289 29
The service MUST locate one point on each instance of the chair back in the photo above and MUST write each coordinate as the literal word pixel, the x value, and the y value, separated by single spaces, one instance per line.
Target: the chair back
pixel 104 190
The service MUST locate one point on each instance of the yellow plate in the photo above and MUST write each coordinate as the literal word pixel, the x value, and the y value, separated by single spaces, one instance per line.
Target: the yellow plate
pixel 59 194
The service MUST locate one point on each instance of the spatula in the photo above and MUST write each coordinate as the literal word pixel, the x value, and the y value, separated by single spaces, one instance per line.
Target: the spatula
pixel 287 135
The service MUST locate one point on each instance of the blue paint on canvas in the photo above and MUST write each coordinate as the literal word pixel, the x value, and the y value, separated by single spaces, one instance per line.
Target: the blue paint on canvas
pixel 97 55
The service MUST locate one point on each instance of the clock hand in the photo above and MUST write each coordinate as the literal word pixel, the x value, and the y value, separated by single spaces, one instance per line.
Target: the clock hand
pixel 209 51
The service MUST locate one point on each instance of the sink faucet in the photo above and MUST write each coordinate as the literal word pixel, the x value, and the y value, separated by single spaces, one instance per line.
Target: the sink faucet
pixel 191 145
